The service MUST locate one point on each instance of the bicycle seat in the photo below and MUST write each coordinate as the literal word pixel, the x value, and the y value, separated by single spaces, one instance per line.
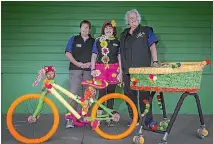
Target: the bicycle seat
pixel 98 84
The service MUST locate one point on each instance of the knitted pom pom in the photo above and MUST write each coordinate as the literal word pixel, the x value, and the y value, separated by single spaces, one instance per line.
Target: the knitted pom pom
pixel 208 61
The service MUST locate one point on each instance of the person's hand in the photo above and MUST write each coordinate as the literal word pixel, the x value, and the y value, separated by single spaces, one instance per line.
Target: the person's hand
pixel 84 65
pixel 156 64
pixel 79 64
pixel 119 77
pixel 93 73
pixel 88 65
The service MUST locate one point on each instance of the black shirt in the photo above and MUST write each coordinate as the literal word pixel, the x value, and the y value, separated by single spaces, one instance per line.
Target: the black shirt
pixel 113 48
pixel 81 50
pixel 135 48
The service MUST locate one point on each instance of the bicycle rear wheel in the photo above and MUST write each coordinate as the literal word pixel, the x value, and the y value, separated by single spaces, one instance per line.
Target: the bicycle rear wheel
pixel 119 135
pixel 19 137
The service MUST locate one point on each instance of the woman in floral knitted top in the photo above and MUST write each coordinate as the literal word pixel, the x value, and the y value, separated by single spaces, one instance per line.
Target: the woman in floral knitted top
pixel 105 62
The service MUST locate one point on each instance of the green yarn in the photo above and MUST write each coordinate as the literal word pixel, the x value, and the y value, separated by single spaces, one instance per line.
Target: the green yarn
pixel 177 80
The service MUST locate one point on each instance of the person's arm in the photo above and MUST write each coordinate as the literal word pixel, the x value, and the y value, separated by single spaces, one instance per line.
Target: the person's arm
pixel 120 75
pixel 72 59
pixel 68 53
pixel 153 40
pixel 93 61
pixel 119 60
pixel 154 53
pixel 94 56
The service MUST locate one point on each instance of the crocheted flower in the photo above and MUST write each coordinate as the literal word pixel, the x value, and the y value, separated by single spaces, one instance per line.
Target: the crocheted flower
pixel 118 69
pixel 97 72
pixel 145 101
pixel 176 65
pixel 113 23
pixel 159 97
pixel 152 78
pixel 82 99
pixel 98 82
pixel 105 51
pixel 114 75
pixel 103 38
pixel 104 44
pixel 208 61
pixel 105 59
pixel 134 81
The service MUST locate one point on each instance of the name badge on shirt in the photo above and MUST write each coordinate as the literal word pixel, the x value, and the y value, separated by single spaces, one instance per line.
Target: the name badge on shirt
pixel 140 34
pixel 78 45
pixel 114 44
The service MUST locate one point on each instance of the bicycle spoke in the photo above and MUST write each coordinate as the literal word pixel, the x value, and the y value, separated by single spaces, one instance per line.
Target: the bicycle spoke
pixel 26 108
pixel 34 129
pixel 31 106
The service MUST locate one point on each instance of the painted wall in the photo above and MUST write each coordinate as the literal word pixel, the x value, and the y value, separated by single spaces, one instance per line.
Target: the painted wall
pixel 35 34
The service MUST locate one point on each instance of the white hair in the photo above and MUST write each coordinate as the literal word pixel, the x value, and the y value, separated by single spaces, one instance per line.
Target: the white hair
pixel 132 11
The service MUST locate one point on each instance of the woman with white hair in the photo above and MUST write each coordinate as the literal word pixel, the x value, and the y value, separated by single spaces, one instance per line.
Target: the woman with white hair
pixel 137 49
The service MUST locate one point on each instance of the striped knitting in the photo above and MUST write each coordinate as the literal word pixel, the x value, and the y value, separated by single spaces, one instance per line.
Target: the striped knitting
pixel 39 77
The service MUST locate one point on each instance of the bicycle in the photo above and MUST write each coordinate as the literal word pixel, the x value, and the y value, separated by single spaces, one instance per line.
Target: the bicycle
pixel 50 87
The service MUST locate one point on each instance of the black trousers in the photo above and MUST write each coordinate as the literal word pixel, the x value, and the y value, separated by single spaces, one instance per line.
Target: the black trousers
pixel 109 89
pixel 132 94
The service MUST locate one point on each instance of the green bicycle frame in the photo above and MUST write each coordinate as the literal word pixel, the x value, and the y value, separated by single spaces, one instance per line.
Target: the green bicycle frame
pixel 53 91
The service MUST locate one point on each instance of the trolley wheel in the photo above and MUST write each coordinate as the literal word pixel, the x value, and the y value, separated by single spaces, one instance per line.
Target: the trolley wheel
pixel 201 133
pixel 138 140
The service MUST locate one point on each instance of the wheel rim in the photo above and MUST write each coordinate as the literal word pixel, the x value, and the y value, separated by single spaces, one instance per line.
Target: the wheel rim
pixel 128 131
pixel 16 134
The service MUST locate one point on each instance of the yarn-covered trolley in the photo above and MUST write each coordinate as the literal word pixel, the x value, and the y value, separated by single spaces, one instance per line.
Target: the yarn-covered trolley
pixel 184 77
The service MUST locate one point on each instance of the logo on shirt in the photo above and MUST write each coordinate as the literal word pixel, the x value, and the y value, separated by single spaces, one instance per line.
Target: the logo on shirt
pixel 114 44
pixel 140 34
pixel 78 45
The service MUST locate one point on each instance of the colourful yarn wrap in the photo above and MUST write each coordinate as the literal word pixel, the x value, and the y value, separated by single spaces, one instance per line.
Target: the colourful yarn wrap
pixel 189 81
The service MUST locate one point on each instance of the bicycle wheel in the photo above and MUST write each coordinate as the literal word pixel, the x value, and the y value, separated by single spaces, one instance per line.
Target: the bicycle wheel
pixel 20 137
pixel 126 132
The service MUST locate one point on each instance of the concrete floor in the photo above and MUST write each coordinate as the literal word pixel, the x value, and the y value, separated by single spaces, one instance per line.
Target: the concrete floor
pixel 183 131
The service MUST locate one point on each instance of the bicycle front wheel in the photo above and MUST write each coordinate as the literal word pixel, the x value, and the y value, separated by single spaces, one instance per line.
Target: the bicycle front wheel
pixel 118 135
pixel 11 120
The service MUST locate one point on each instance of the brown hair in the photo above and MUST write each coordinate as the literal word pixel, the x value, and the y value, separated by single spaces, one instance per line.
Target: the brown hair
pixel 108 23
pixel 85 22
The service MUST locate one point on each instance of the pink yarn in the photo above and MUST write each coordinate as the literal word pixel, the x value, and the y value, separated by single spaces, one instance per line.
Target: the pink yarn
pixel 74 119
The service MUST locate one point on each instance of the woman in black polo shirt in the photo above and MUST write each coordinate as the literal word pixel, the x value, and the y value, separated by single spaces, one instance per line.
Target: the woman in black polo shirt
pixel 105 63
pixel 79 51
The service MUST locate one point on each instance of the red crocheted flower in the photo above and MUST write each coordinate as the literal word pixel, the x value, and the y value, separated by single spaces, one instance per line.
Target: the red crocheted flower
pixel 158 97
pixel 208 61
pixel 154 128
pixel 151 76
pixel 105 59
pixel 146 101
pixel 134 81
pixel 48 86
pixel 82 99
pixel 105 51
